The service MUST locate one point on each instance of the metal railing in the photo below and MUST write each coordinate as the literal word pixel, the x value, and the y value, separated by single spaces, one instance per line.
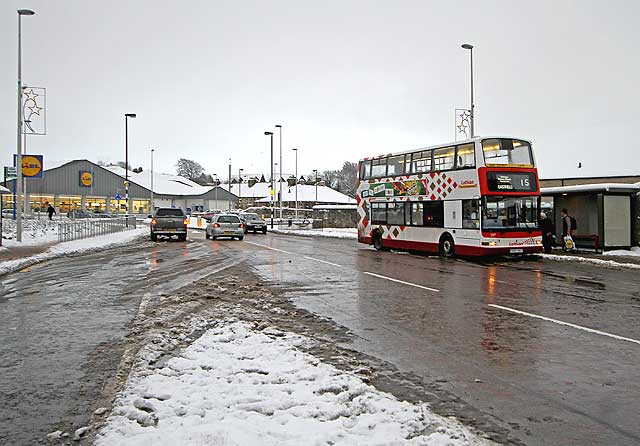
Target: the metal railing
pixel 80 229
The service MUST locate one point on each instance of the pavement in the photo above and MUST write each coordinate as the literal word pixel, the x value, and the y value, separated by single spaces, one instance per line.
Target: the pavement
pixel 546 350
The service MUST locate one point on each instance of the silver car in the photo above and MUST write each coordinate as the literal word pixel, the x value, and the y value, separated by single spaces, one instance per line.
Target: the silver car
pixel 225 225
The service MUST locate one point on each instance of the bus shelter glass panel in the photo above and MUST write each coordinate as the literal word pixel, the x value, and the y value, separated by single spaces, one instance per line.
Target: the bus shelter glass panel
pixel 7 202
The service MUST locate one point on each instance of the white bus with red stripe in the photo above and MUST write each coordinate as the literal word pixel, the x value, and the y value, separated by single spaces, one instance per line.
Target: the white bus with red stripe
pixel 471 198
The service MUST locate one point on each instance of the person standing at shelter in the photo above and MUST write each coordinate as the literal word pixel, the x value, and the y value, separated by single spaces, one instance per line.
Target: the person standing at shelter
pixel 568 227
pixel 546 226
pixel 50 211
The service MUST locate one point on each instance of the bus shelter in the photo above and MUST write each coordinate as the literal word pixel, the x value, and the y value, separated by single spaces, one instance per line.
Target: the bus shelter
pixel 605 213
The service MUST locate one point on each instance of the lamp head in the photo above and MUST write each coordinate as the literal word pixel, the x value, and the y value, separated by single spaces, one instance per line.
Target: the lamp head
pixel 268 133
pixel 130 115
pixel 25 12
pixel 278 126
pixel 467 46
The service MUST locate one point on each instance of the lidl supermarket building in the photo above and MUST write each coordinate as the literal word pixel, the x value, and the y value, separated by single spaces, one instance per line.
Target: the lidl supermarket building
pixel 83 185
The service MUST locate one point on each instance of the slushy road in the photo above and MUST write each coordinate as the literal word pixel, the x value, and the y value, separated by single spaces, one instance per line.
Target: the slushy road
pixel 549 349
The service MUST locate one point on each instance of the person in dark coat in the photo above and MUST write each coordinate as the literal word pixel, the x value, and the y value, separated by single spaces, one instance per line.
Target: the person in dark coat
pixel 51 211
pixel 546 226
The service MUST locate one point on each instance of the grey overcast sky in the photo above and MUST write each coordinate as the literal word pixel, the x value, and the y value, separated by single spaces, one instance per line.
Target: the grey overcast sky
pixel 346 79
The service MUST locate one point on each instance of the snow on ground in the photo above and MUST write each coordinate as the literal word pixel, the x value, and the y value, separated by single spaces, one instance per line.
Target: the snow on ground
pixel 236 386
pixel 73 247
pixel 34 232
pixel 601 262
pixel 350 233
pixel 633 252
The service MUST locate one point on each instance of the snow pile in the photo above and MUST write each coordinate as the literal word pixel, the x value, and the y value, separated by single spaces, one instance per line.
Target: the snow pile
pixel 235 386
pixel 633 252
pixel 74 247
pixel 34 232
pixel 344 233
pixel 600 262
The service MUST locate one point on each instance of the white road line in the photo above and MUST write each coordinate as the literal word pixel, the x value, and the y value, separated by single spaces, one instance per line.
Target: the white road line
pixel 568 324
pixel 401 281
pixel 268 247
pixel 323 261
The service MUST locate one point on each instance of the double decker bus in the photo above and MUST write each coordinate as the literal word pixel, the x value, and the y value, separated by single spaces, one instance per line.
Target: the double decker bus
pixel 471 198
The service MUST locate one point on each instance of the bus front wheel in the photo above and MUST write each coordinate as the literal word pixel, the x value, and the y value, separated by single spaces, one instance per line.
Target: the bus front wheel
pixel 447 246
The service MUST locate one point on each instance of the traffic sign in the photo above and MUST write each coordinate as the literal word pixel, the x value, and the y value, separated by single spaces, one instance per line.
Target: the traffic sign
pixel 118 197
pixel 10 172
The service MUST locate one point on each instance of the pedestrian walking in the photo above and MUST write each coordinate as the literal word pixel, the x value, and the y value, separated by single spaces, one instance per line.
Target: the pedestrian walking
pixel 50 211
pixel 569 225
pixel 546 226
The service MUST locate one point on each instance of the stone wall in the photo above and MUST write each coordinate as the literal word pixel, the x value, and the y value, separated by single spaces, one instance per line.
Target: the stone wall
pixel 335 217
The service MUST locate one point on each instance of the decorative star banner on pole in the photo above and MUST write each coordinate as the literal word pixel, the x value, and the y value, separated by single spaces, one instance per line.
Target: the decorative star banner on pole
pixel 463 122
pixel 34 110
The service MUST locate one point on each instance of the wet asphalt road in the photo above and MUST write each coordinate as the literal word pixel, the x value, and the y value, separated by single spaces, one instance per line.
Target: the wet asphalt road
pixel 549 383
pixel 57 320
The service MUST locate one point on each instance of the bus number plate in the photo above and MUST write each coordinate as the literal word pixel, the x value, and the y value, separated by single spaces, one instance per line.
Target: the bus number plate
pixel 516 251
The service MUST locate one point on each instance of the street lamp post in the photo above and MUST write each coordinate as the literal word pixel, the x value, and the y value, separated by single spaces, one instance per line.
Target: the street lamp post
pixel 126 161
pixel 315 171
pixel 296 150
pixel 280 176
pixel 468 46
pixel 18 187
pixel 152 206
pixel 271 192
pixel 229 204
pixel 216 183
pixel 239 187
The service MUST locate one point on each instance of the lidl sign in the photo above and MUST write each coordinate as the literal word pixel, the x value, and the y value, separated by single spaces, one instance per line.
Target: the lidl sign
pixel 31 165
pixel 86 178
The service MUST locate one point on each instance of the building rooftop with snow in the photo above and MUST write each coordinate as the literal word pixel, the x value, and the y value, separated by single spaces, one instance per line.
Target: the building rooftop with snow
pixel 82 184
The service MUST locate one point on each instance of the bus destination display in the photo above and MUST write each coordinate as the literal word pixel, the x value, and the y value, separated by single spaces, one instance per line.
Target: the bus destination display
pixel 511 182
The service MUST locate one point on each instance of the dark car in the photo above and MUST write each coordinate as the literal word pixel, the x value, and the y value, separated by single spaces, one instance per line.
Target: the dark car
pixel 169 222
pixel 253 223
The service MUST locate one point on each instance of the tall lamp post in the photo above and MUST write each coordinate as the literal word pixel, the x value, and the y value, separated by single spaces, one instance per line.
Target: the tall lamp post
pixel 271 192
pixel 126 160
pixel 229 185
pixel 216 183
pixel 239 187
pixel 296 150
pixel 152 206
pixel 280 176
pixel 315 171
pixel 18 183
pixel 468 46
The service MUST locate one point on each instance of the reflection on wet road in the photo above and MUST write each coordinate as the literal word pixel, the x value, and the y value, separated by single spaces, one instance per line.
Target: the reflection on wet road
pixel 473 326
pixel 54 316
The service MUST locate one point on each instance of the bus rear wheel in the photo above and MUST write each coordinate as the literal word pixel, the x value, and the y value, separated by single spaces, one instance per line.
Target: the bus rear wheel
pixel 447 246
pixel 377 241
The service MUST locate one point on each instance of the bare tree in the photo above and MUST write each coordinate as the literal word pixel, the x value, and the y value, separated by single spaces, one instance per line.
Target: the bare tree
pixel 347 177
pixel 189 169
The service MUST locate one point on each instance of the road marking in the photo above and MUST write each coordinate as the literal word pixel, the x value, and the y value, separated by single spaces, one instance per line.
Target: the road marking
pixel 568 324
pixel 401 281
pixel 323 261
pixel 268 247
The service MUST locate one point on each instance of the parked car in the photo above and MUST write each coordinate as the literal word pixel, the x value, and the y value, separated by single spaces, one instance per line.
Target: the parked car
pixel 77 213
pixel 168 222
pixel 225 225
pixel 253 222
